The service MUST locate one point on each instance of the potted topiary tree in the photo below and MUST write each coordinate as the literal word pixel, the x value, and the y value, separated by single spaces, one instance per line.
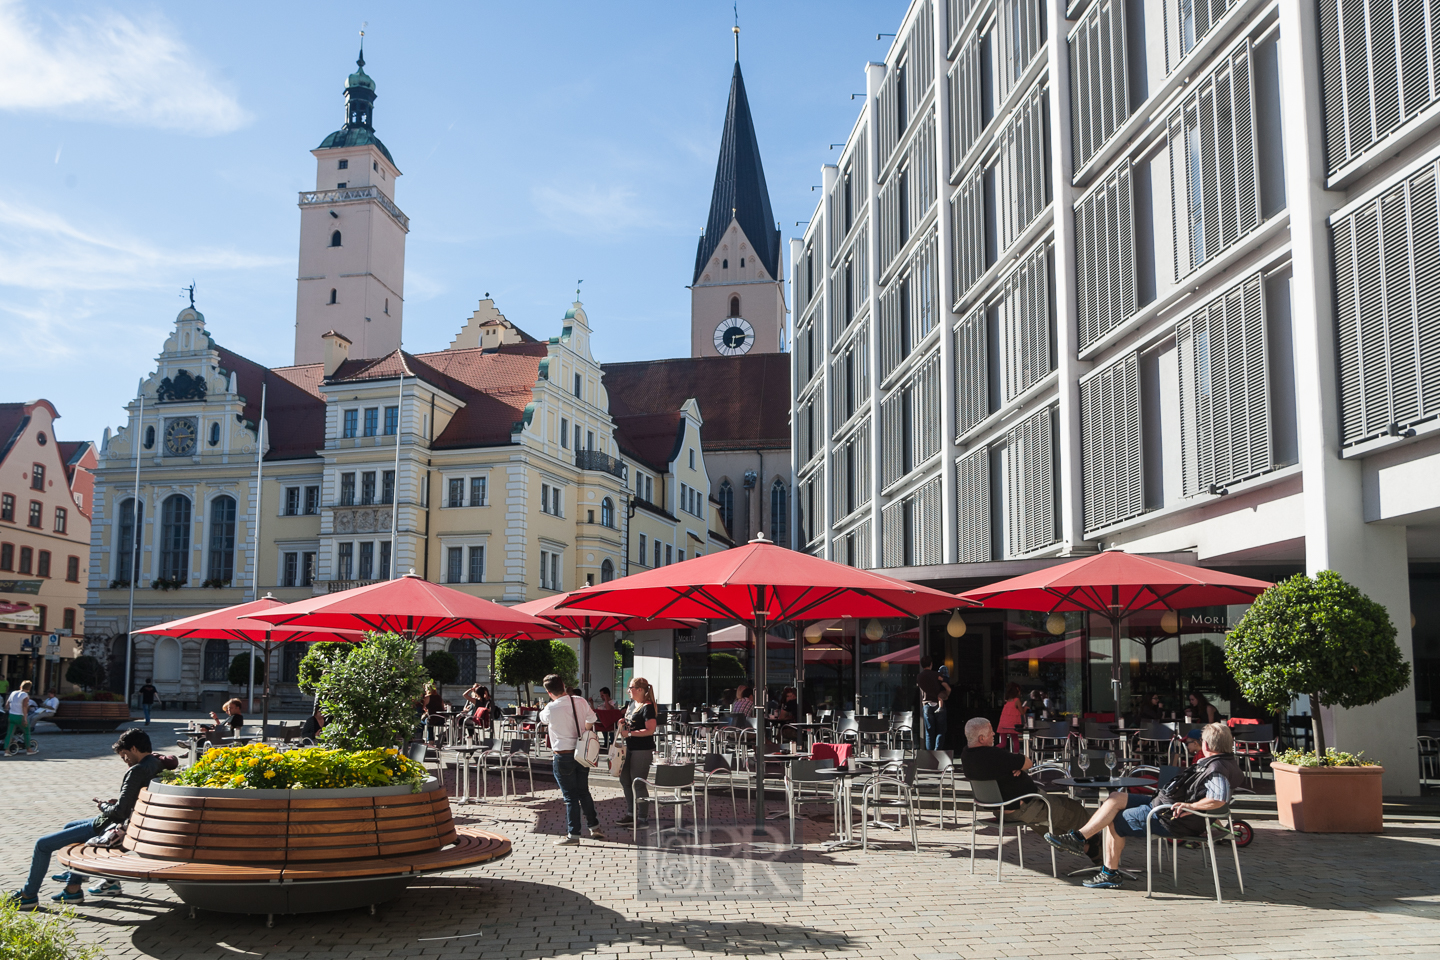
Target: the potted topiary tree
pixel 442 667
pixel 522 662
pixel 1323 639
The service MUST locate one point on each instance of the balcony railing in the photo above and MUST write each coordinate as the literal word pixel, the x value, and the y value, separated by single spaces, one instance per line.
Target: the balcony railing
pixel 595 460
pixel 335 586
pixel 351 195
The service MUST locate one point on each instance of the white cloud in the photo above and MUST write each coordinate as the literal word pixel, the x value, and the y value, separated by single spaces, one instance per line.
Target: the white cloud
pixel 41 251
pixel 589 209
pixel 112 68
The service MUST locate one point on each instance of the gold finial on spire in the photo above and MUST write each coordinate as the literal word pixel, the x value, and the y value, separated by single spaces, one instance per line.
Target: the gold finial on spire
pixel 736 28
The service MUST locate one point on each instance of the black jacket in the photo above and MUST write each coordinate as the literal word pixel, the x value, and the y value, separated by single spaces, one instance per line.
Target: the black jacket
pixel 136 779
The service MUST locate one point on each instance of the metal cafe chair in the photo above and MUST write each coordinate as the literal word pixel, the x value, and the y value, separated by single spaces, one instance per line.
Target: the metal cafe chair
pixel 1050 740
pixel 1212 819
pixel 901 777
pixel 985 794
pixel 938 767
pixel 1254 744
pixel 717 767
pixel 678 778
pixel 800 774
pixel 515 751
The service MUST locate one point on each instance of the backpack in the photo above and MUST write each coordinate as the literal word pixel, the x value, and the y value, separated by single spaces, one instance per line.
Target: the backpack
pixel 1189 787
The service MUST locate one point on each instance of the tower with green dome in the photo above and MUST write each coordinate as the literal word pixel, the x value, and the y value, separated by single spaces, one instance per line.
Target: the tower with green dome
pixel 352 237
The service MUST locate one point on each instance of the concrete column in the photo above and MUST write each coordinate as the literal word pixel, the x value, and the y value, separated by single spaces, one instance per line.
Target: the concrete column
pixel 1371 556
pixel 1067 340
pixel 950 533
pixel 874 76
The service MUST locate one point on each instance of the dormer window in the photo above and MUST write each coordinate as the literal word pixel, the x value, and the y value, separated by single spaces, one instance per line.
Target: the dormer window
pixel 343 165
pixel 335 237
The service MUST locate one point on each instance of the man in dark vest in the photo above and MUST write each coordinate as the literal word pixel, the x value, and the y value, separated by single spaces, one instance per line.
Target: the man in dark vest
pixel 1204 786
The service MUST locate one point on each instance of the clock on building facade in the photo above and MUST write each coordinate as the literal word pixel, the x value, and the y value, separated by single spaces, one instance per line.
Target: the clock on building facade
pixel 733 337
pixel 180 437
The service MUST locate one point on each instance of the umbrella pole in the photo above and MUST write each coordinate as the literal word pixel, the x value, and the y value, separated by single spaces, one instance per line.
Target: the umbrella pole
pixel 759 706
pixel 265 695
pixel 799 673
pixel 585 637
pixel 1115 663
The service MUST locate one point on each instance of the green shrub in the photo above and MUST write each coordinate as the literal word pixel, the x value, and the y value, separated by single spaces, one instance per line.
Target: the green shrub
pixel 261 767
pixel 41 936
pixel 1333 758
pixel 522 662
pixel 237 669
pixel 726 666
pixel 564 662
pixel 318 660
pixel 368 697
pixel 86 672
pixel 442 667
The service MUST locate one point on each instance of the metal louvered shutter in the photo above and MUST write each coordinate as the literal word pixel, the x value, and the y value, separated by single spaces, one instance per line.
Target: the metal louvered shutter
pixel 863 552
pixel 1110 441
pixel 925 408
pixel 1387 291
pixel 1225 434
pixel 1213 131
pixel 1020 32
pixel 892 534
pixel 1030 479
pixel 1028 322
pixel 1105 257
pixel 1022 185
pixel 956 13
pixel 862 464
pixel 1188 21
pixel 967 232
pixel 892 438
pixel 964 102
pixel 891 342
pixel 972 382
pixel 924 289
pixel 1378 66
pixel 972 506
pixel 927 523
pixel 1099 79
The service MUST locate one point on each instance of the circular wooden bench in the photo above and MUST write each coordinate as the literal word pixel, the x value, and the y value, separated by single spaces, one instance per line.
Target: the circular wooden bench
pixel 287 851
pixel 94 715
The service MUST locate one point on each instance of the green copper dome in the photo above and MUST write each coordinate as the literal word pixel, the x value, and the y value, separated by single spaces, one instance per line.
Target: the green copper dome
pixel 359 129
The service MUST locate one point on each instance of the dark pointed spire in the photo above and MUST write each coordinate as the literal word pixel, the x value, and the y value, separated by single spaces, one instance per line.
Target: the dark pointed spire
pixel 740 191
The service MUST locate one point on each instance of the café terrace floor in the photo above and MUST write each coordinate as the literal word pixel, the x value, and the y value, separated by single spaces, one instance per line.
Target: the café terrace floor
pixel 1305 895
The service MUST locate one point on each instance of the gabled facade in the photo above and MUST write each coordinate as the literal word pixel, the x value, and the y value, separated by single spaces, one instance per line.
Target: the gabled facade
pixel 46 497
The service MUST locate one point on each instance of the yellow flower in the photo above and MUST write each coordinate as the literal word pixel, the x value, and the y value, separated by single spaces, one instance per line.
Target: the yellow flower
pixel 269 774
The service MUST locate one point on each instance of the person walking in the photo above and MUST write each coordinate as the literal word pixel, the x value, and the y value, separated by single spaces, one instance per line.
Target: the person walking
pixel 1012 718
pixel 933 694
pixel 566 718
pixel 638 729
pixel 147 699
pixel 17 707
pixel 133 747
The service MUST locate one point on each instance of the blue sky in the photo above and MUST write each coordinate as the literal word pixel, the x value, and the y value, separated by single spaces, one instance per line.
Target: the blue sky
pixel 146 145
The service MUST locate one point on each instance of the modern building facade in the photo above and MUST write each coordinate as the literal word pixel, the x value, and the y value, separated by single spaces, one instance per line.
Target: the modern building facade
pixel 1153 276
pixel 47 488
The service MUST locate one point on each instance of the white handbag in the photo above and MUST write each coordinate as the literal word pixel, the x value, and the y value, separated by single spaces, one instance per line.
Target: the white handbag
pixel 587 744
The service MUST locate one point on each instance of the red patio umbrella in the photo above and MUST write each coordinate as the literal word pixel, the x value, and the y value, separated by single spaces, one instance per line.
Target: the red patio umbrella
pixel 1115 584
pixel 908 655
pixel 756 584
pixel 1072 648
pixel 414 607
pixel 587 624
pixel 239 623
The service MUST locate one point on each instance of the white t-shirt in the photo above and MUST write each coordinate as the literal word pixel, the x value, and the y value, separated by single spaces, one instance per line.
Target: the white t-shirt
pixel 14 703
pixel 560 720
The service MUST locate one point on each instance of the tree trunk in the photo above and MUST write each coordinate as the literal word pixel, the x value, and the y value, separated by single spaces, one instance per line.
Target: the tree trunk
pixel 1319 727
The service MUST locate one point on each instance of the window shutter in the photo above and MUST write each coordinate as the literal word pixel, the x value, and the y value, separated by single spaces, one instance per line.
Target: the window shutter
pixel 1027 319
pixel 1022 188
pixel 964 102
pixel 967 232
pixel 1110 444
pixel 1105 257
pixel 892 534
pixel 928 520
pixel 1030 479
pixel 1020 32
pixel 972 506
pixel 891 439
pixel 972 393
pixel 1099 79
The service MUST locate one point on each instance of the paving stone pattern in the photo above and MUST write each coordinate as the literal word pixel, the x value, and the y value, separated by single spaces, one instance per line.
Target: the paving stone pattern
pixel 1306 896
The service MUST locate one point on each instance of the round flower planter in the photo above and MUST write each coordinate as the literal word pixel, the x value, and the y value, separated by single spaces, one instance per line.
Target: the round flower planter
pixel 91 714
pixel 289 851
pixel 1330 799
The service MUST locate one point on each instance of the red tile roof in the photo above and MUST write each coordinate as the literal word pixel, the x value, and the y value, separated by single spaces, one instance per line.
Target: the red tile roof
pixel 745 401
pixel 652 438
pixel 294 408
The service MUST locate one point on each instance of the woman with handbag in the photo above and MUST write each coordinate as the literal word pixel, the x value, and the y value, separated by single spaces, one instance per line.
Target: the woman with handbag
pixel 637 732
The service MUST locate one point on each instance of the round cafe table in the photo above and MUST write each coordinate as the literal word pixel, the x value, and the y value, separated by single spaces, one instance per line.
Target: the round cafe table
pixel 1102 783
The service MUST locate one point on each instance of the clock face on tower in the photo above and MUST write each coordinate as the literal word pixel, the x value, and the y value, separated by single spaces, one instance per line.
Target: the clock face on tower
pixel 180 437
pixel 733 337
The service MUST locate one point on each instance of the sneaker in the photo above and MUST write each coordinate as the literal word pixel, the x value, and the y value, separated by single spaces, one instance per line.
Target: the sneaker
pixel 1071 842
pixel 65 896
pixel 23 902
pixel 107 888
pixel 62 877
pixel 596 833
pixel 625 821
pixel 1106 879
pixel 567 841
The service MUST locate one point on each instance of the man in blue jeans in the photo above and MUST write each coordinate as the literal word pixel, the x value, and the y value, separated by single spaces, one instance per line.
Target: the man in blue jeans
pixel 933 692
pixel 134 748
pixel 566 717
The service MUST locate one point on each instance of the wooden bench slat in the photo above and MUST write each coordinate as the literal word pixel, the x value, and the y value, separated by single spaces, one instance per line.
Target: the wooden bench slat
pixel 332 853
pixel 160 837
pixel 336 803
pixel 163 851
pixel 326 816
pixel 241 803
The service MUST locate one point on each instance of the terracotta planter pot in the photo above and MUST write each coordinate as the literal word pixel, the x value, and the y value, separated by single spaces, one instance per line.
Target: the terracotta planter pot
pixel 1329 799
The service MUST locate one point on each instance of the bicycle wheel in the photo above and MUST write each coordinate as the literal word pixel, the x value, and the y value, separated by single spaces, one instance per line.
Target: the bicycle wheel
pixel 1244 833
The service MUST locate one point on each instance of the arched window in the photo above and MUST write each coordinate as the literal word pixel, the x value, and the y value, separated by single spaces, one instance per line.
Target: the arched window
pixel 332 294
pixel 463 650
pixel 734 306
pixel 175 539
pixel 607 571
pixel 727 506
pixel 214 434
pixel 149 438
pixel 127 548
pixel 335 239
pixel 166 668
pixel 725 264
pixel 742 263
pixel 607 512
pixel 222 539
pixel 780 513
pixel 217 661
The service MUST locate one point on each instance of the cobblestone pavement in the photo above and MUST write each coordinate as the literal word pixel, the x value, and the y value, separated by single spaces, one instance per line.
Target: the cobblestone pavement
pixel 1305 896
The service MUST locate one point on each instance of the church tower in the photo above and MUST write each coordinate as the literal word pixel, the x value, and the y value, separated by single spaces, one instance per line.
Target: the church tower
pixel 352 238
pixel 737 298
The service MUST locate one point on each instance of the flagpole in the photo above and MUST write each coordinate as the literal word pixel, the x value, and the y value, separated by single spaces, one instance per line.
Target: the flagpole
pixel 395 488
pixel 135 552
pixel 255 535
